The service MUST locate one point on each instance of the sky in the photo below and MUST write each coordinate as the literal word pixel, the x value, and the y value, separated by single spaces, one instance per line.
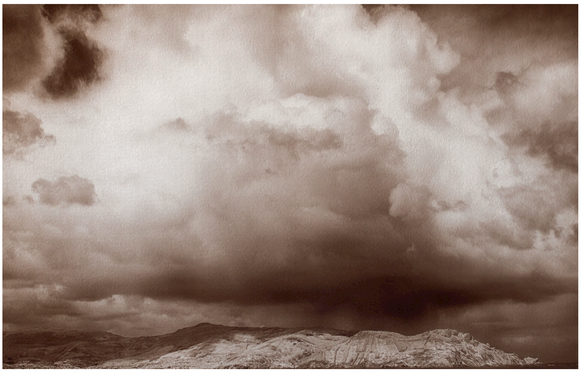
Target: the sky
pixel 398 168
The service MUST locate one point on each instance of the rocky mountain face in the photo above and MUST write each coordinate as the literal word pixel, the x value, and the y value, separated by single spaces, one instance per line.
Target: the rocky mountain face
pixel 212 346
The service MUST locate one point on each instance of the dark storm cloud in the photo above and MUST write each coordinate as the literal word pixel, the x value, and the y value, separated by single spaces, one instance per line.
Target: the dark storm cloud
pixel 49 44
pixel 23 45
pixel 411 298
pixel 407 297
pixel 412 295
pixel 65 190
pixel 21 131
pixel 78 69
pixel 82 56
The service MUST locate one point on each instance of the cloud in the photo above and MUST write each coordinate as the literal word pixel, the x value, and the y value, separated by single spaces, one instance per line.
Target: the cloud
pixel 504 38
pixel 65 190
pixel 47 46
pixel 82 56
pixel 300 165
pixel 30 48
pixel 512 326
pixel 72 13
pixel 21 131
pixel 556 143
pixel 539 114
pixel 78 69
pixel 533 72
pixel 177 125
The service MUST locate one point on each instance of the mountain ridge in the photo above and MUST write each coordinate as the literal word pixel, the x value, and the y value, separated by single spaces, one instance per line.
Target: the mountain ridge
pixel 207 345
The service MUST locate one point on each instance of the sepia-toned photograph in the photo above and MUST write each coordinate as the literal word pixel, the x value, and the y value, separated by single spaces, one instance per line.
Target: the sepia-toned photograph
pixel 290 186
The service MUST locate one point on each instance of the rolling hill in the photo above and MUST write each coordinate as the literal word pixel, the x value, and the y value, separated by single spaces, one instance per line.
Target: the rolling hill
pixel 214 346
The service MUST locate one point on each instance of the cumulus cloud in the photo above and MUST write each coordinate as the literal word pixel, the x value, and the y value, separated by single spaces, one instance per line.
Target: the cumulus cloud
pixel 533 73
pixel 542 109
pixel 65 190
pixel 297 165
pixel 21 131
